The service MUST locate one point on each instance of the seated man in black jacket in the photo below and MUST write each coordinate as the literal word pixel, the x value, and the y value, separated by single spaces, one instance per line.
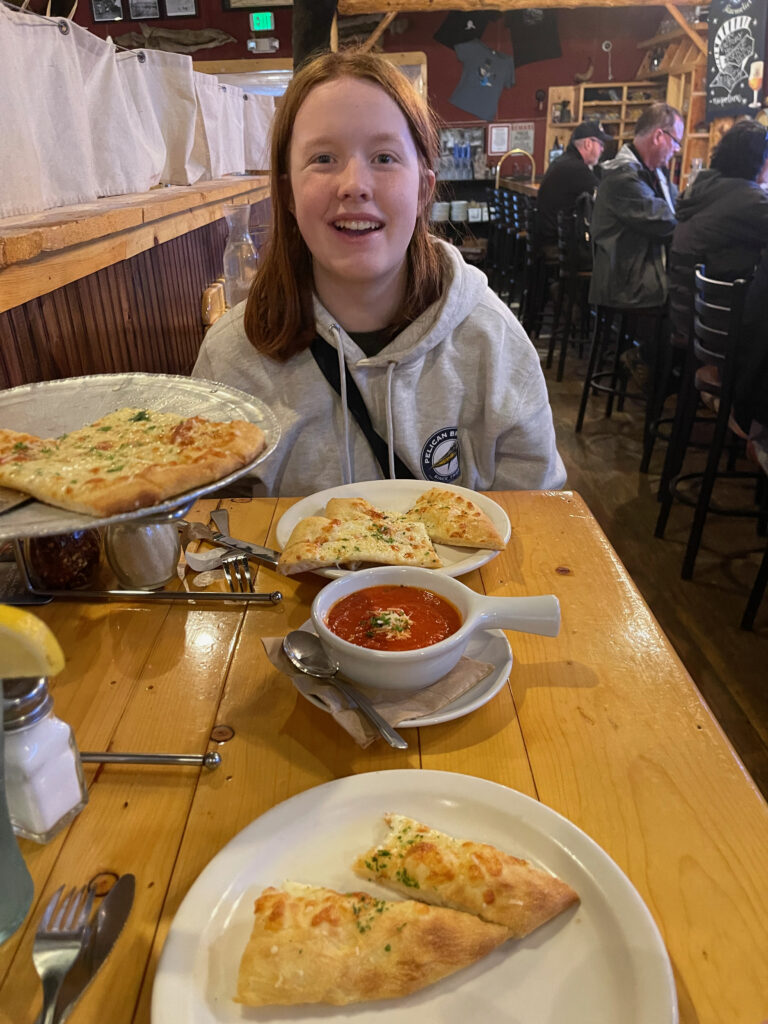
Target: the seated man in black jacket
pixel 566 179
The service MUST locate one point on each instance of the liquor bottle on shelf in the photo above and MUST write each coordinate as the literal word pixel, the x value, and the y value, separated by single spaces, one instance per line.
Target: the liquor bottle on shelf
pixel 556 151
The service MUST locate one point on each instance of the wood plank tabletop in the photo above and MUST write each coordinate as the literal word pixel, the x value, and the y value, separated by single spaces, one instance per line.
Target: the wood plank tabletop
pixel 602 724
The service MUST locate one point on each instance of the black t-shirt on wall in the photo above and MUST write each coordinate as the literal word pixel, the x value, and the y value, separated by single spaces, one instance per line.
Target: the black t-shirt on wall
pixel 461 26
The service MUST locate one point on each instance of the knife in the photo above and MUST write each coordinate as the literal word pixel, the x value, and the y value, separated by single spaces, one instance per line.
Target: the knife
pixel 109 921
pixel 268 555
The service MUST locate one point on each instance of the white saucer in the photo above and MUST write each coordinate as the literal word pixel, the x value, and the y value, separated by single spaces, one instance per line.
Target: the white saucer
pixel 485 645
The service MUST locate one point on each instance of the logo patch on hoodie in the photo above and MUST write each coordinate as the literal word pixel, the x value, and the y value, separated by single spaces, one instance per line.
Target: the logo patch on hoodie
pixel 441 456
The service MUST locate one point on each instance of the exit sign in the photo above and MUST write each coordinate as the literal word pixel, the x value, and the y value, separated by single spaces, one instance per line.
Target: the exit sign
pixel 262 21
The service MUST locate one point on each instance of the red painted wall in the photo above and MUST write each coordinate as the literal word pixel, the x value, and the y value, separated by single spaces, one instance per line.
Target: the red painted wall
pixel 581 33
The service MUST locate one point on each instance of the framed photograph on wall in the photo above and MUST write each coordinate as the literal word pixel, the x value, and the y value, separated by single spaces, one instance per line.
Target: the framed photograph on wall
pixel 143 10
pixel 253 5
pixel 181 9
pixel 107 10
pixel 498 138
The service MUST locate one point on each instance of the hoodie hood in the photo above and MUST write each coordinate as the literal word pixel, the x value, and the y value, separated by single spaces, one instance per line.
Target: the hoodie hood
pixel 463 288
pixel 626 157
pixel 710 186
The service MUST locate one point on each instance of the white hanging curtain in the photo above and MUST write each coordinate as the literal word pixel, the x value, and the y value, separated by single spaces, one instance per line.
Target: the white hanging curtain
pixel 46 153
pixel 219 144
pixel 258 112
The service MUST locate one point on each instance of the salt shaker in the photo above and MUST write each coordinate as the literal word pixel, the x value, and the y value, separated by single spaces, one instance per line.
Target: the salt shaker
pixel 44 780
pixel 143 554
pixel 16 888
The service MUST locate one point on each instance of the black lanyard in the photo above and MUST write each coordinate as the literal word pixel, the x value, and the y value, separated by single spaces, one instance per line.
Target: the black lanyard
pixel 327 359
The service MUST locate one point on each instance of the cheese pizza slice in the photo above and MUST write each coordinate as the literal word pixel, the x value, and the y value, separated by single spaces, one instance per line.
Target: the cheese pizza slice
pixel 450 518
pixel 428 865
pixel 129 459
pixel 315 945
pixel 316 542
pixel 358 508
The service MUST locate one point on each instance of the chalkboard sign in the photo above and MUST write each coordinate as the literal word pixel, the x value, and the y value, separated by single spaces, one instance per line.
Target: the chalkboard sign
pixel 735 61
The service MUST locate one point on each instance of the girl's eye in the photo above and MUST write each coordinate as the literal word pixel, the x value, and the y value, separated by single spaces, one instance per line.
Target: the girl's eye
pixel 385 158
pixel 322 158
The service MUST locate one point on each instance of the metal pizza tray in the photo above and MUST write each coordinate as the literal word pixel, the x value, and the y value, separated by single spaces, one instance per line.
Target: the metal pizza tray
pixel 51 408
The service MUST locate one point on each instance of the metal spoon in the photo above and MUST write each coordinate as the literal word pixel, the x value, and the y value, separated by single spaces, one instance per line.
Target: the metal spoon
pixel 308 655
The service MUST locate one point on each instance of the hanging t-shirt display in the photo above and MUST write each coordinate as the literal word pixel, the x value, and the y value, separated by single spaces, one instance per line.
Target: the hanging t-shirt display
pixel 461 26
pixel 736 57
pixel 534 35
pixel 485 74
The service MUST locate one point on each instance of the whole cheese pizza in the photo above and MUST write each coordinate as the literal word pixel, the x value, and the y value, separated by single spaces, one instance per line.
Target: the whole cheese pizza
pixel 428 865
pixel 317 541
pixel 315 945
pixel 129 459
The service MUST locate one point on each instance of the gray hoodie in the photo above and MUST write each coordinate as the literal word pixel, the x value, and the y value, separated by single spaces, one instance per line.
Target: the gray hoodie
pixel 459 394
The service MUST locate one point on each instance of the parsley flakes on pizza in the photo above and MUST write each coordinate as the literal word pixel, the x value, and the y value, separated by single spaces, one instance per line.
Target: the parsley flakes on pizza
pixel 129 459
pixel 420 862
pixel 314 945
pixel 316 542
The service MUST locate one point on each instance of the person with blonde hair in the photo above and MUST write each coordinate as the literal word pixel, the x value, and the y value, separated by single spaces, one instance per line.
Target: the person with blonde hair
pixel 380 351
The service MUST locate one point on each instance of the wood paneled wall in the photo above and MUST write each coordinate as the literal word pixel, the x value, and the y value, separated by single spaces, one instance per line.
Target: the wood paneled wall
pixel 140 314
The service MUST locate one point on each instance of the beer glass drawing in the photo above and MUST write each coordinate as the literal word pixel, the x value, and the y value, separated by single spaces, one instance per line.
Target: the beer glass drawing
pixel 755 80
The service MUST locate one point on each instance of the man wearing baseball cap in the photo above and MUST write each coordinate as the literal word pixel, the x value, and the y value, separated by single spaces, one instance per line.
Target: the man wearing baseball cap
pixel 567 178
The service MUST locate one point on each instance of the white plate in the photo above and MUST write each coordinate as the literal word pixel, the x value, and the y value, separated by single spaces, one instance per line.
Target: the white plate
pixel 399 496
pixel 602 962
pixel 484 645
pixel 53 407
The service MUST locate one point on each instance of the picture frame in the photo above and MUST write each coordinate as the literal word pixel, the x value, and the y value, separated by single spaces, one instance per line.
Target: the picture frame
pixel 253 5
pixel 143 10
pixel 498 139
pixel 107 10
pixel 181 9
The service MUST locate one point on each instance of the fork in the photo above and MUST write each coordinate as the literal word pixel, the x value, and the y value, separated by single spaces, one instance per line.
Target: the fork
pixel 58 941
pixel 238 574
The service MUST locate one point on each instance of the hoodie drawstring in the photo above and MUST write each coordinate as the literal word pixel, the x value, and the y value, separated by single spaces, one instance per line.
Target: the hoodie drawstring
pixel 346 467
pixel 390 424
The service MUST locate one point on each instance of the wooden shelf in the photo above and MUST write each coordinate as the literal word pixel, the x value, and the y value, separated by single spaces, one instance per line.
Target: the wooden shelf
pixel 44 251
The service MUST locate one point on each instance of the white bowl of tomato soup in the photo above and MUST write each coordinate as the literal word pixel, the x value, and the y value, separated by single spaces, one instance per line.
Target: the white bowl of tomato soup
pixel 403 628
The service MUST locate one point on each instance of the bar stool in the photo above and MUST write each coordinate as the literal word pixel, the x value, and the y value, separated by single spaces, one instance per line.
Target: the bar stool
pixel 718 307
pixel 572 285
pixel 608 343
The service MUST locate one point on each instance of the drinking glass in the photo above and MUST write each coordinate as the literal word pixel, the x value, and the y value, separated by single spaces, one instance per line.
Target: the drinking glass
pixel 756 71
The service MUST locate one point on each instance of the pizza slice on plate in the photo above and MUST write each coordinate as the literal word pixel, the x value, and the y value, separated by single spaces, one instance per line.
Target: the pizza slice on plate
pixel 358 508
pixel 315 945
pixel 450 518
pixel 428 865
pixel 317 542
pixel 129 459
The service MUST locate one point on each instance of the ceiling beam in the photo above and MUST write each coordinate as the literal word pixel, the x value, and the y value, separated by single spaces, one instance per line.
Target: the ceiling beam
pixel 690 32
pixel 402 6
pixel 379 31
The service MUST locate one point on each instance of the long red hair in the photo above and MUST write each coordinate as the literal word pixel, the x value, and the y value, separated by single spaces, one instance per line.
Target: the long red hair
pixel 279 318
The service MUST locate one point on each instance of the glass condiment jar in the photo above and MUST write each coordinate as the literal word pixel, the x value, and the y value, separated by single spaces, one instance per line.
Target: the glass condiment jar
pixel 16 888
pixel 45 787
pixel 143 555
pixel 240 254
pixel 65 561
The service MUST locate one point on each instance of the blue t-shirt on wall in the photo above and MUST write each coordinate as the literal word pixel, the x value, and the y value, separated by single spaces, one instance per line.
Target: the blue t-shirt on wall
pixel 485 74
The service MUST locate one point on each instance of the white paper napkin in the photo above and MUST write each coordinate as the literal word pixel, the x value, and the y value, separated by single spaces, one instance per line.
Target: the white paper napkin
pixel 395 707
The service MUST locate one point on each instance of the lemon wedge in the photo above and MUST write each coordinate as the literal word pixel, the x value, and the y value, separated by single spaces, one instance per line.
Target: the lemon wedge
pixel 27 646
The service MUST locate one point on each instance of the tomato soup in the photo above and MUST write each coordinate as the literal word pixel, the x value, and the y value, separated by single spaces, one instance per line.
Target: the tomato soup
pixel 393 618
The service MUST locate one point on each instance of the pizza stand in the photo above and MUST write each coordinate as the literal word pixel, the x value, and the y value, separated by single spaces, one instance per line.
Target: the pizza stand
pixel 52 408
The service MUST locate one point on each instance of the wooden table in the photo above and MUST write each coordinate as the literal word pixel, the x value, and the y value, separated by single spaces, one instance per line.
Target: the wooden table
pixel 602 724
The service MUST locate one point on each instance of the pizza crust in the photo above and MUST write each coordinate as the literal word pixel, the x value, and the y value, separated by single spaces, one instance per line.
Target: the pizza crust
pixel 316 542
pixel 315 945
pixel 450 518
pixel 129 459
pixel 424 864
